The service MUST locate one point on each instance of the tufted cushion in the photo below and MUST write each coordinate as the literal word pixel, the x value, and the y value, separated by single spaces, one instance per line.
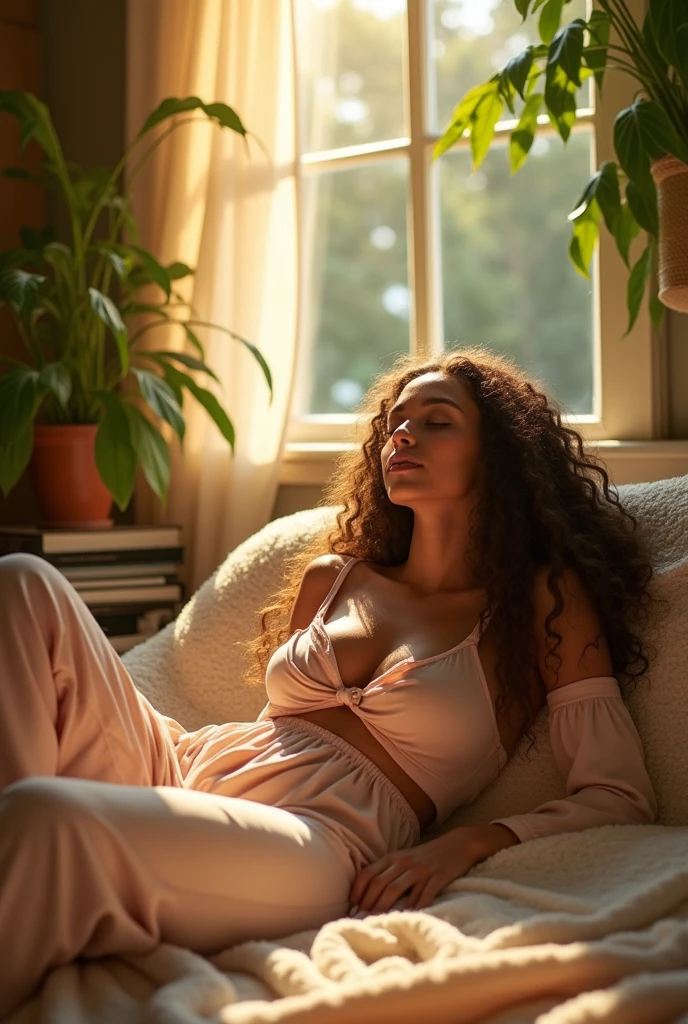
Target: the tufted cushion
pixel 193 670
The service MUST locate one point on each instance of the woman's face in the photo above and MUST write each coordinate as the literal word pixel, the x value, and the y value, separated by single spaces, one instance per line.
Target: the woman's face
pixel 435 425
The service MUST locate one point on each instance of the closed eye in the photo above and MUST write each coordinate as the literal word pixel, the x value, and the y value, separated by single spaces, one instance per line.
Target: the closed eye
pixel 430 423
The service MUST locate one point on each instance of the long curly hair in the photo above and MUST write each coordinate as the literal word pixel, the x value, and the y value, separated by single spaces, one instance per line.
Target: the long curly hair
pixel 539 505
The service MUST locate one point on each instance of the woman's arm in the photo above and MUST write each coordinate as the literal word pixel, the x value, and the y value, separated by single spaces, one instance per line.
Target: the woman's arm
pixel 593 738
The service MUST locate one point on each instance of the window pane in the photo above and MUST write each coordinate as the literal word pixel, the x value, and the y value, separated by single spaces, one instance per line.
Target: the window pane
pixel 356 309
pixel 471 39
pixel 350 71
pixel 507 279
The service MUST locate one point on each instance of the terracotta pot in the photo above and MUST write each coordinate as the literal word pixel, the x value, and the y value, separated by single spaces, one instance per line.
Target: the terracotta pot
pixel 671 179
pixel 65 478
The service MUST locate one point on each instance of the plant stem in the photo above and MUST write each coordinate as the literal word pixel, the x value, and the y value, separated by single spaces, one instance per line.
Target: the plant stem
pixel 112 180
pixel 34 352
pixel 657 85
pixel 161 138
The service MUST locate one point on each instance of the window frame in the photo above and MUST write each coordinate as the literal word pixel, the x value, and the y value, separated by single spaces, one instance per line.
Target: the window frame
pixel 630 384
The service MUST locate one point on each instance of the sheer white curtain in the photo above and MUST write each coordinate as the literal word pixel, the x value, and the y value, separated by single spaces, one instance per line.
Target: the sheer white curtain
pixel 233 217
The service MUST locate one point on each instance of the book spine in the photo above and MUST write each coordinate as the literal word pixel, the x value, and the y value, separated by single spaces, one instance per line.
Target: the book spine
pixel 114 582
pixel 76 558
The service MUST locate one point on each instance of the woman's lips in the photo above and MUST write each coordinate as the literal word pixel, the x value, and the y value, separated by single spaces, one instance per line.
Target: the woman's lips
pixel 403 467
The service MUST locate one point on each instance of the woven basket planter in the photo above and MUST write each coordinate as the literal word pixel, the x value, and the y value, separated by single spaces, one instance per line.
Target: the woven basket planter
pixel 671 179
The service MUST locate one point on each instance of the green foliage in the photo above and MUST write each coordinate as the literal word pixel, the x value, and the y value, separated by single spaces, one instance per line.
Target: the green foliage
pixel 655 125
pixel 72 304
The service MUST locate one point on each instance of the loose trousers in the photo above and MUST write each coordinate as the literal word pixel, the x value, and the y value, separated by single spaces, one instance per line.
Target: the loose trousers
pixel 119 830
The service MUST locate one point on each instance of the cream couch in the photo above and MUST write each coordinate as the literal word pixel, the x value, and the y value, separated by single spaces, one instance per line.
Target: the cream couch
pixel 589 926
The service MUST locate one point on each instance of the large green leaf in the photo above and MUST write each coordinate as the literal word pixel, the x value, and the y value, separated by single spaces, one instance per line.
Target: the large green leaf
pixel 160 397
pixel 668 22
pixel 255 352
pixel 34 119
pixel 151 450
pixel 177 270
pixel 643 133
pixel 627 228
pixel 523 134
pixel 636 286
pixel 162 356
pixel 225 116
pixel 115 455
pixel 642 200
pixel 120 264
pixel 560 100
pixel 483 122
pixel 109 314
pixel 462 115
pixel 18 400
pixel 154 270
pixel 172 381
pixel 208 401
pixel 550 19
pixel 14 458
pixel 518 69
pixel 20 290
pixel 35 123
pixel 193 338
pixel 584 238
pixel 56 378
pixel 604 187
pixel 566 50
pixel 599 27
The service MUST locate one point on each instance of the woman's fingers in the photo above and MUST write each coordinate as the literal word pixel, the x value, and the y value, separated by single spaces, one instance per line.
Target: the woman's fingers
pixel 389 894
pixel 368 874
pixel 425 893
pixel 377 885
pixel 380 891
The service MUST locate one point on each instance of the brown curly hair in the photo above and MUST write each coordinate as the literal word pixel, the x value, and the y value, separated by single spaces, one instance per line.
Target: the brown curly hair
pixel 539 505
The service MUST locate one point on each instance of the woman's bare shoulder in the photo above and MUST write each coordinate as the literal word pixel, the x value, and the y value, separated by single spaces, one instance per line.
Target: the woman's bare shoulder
pixel 316 583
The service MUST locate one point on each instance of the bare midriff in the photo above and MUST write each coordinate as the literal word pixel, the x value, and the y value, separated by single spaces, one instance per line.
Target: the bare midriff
pixel 346 725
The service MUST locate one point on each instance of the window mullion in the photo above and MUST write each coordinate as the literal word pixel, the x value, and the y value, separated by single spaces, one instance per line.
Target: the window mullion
pixel 420 204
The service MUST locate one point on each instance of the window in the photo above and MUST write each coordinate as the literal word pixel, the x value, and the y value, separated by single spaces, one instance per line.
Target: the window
pixel 400 253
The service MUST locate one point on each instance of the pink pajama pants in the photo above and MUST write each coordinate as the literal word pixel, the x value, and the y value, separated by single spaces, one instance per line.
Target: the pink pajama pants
pixel 118 830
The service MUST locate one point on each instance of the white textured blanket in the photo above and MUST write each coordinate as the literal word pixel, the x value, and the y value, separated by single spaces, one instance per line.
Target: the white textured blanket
pixel 590 926
pixel 585 927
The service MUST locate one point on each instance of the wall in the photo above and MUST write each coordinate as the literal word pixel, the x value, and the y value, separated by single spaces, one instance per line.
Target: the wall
pixel 80 73
pixel 70 53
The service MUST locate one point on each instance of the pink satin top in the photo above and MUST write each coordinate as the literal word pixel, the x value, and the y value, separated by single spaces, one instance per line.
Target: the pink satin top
pixel 436 719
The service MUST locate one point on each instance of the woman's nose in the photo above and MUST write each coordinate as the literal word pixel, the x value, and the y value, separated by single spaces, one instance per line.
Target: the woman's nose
pixel 403 433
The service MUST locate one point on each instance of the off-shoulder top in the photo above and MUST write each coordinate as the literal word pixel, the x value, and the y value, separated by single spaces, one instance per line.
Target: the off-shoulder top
pixel 436 719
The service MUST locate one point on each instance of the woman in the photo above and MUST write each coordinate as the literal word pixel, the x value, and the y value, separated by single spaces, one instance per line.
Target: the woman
pixel 475 574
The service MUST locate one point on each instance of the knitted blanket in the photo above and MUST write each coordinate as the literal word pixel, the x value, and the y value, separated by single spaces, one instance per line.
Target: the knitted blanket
pixel 588 926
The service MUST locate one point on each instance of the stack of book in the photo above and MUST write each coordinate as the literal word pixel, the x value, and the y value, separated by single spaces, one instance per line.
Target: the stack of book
pixel 129 576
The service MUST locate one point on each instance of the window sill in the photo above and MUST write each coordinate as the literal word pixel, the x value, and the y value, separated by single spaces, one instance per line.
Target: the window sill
pixel 310 463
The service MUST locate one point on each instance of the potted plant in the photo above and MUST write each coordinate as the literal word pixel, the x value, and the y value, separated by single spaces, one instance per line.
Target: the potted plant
pixel 84 405
pixel 647 190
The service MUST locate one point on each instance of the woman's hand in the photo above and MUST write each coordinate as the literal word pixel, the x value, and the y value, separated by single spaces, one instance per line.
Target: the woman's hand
pixel 420 873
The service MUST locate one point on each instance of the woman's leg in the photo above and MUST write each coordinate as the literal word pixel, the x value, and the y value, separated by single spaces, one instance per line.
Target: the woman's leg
pixel 90 868
pixel 67 704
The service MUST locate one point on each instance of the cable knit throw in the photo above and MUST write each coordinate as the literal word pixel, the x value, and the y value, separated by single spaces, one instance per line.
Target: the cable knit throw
pixel 581 927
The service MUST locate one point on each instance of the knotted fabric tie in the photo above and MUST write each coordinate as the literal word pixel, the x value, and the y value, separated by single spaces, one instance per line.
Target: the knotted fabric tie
pixel 349 695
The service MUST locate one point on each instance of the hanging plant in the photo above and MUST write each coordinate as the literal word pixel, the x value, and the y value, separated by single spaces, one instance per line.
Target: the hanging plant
pixel 650 136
